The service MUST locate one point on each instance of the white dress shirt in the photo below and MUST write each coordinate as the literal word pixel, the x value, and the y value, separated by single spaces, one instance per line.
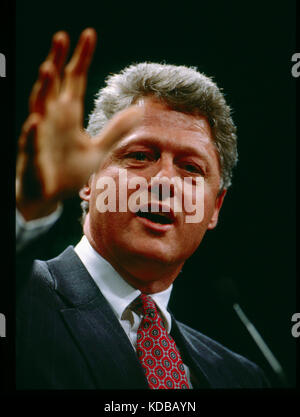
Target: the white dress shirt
pixel 120 294
pixel 27 231
pixel 114 288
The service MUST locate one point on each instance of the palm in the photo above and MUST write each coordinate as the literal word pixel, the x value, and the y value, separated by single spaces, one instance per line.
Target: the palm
pixel 63 149
pixel 56 156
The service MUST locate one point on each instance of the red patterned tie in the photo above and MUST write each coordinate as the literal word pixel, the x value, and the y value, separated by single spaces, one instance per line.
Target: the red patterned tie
pixel 157 351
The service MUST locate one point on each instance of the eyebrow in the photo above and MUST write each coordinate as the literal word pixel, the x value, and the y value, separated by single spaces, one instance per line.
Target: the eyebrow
pixel 152 141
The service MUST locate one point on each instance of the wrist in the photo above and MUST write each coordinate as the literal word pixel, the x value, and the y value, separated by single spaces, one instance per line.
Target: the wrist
pixel 32 210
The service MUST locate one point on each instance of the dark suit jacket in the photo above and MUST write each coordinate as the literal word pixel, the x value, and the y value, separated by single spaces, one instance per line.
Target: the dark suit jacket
pixel 69 338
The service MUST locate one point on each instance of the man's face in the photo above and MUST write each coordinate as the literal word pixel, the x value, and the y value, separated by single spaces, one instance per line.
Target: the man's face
pixel 165 145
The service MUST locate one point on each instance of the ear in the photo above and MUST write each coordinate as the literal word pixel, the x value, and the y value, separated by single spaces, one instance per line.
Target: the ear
pixel 85 191
pixel 218 204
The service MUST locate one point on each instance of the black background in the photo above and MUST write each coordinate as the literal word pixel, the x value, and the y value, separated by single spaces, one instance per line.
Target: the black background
pixel 247 48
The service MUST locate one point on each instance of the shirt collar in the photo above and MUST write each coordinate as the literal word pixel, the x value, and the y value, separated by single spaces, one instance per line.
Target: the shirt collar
pixel 115 289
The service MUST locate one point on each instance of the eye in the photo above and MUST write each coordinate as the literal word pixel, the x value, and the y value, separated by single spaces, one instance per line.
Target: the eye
pixel 140 156
pixel 192 168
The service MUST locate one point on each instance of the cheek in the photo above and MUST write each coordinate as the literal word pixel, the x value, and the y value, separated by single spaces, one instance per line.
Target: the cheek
pixel 117 186
pixel 194 232
pixel 193 195
pixel 189 240
pixel 199 205
pixel 109 199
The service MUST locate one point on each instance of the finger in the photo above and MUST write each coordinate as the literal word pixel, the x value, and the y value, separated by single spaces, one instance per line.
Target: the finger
pixel 75 72
pixel 28 134
pixel 59 50
pixel 120 125
pixel 45 89
pixel 28 186
pixel 56 58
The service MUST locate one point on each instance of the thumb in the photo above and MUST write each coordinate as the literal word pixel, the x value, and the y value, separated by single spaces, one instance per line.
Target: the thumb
pixel 118 127
pixel 28 134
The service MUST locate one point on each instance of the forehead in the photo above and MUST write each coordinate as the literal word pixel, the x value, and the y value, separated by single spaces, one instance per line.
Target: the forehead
pixel 165 127
pixel 160 115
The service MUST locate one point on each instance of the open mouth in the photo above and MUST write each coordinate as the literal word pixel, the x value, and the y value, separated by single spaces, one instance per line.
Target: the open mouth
pixel 161 218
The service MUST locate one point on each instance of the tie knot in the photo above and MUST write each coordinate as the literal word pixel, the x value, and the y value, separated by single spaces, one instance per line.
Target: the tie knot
pixel 147 306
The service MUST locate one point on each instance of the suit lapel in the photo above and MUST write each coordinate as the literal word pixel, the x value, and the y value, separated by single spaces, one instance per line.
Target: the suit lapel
pixel 95 328
pixel 190 356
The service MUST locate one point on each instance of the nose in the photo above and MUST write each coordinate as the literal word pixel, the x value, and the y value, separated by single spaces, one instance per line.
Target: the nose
pixel 161 184
pixel 162 189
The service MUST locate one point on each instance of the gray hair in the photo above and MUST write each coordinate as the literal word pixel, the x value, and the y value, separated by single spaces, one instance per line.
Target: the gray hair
pixel 183 89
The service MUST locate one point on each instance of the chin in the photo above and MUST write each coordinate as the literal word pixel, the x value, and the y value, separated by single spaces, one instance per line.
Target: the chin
pixel 155 252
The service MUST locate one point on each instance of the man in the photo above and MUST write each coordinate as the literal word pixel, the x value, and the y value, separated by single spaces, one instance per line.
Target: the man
pixel 159 146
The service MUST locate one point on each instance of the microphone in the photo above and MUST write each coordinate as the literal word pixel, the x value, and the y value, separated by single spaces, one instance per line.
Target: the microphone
pixel 228 293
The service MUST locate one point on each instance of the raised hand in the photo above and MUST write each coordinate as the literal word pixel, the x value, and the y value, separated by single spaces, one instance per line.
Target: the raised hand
pixel 56 156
